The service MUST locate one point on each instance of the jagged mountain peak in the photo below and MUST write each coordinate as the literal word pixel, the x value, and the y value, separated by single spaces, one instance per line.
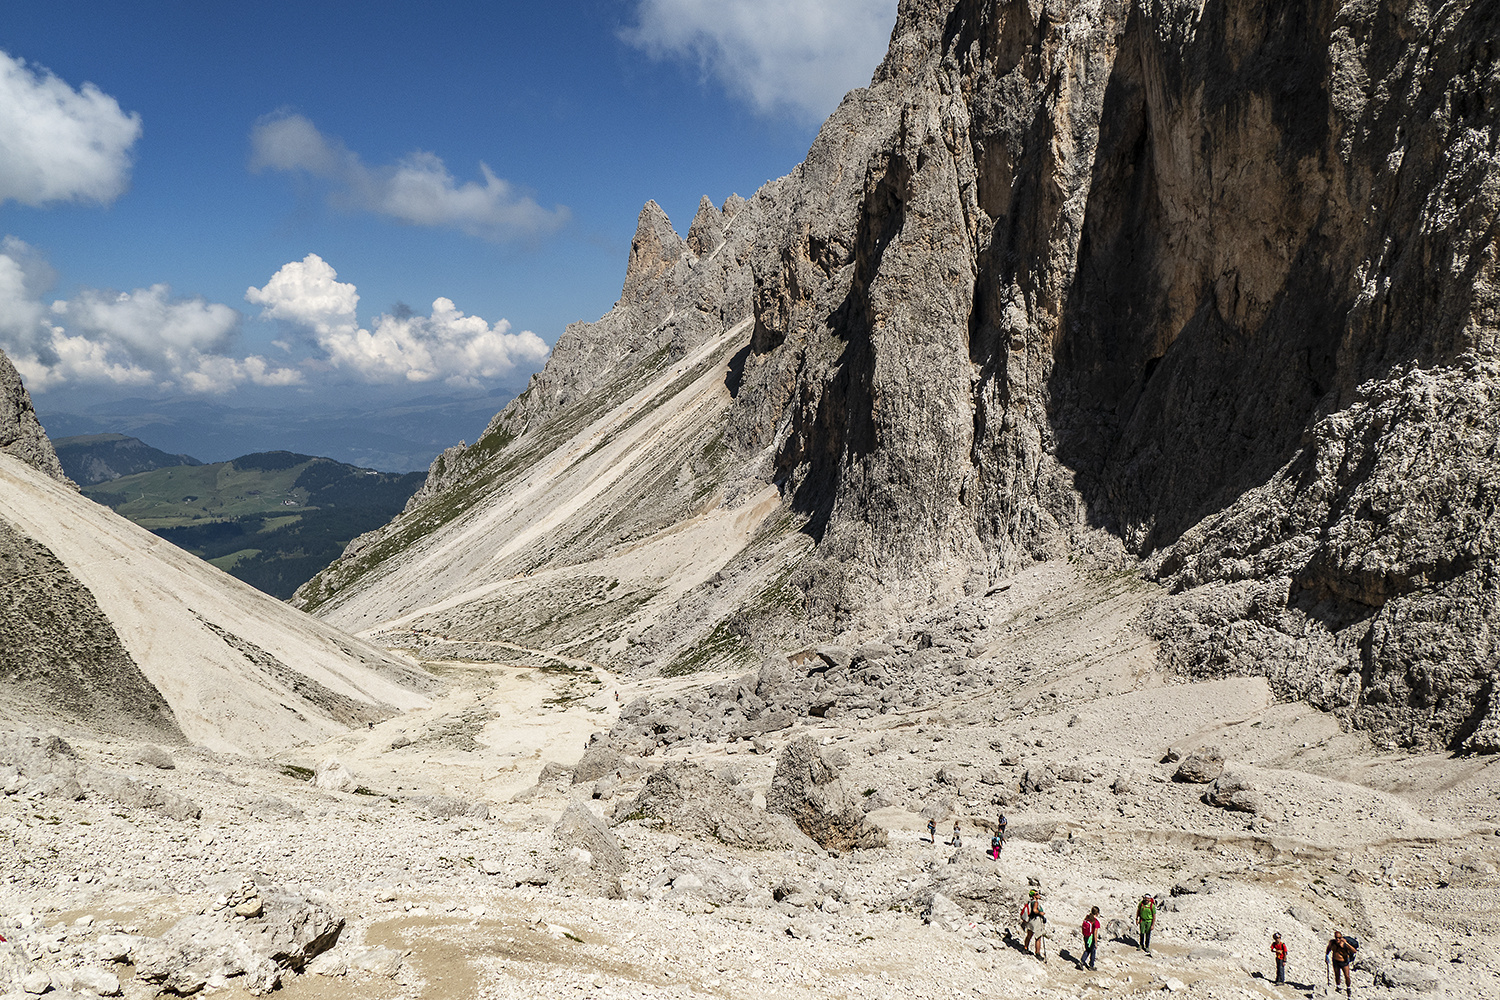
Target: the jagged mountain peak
pixel 1173 288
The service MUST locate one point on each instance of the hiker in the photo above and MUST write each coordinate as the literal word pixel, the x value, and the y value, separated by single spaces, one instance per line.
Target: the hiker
pixel 957 840
pixel 932 831
pixel 1000 830
pixel 1090 940
pixel 1278 949
pixel 1340 952
pixel 995 848
pixel 1145 916
pixel 1034 919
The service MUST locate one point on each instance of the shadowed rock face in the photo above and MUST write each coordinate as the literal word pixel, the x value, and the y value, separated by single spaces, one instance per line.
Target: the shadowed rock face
pixel 59 654
pixel 1208 286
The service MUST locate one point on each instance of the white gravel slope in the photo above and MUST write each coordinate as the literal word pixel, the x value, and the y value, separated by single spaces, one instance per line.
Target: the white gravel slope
pixel 158 597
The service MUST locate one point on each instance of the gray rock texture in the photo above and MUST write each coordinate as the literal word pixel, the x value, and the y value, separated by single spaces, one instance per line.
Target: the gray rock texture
pixel 21 434
pixel 60 655
pixel 209 949
pixel 1209 289
pixel 689 799
pixel 807 788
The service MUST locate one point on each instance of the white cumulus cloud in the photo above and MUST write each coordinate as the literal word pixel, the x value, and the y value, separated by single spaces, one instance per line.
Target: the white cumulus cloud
pixel 60 144
pixel 781 56
pixel 145 338
pixel 446 345
pixel 418 190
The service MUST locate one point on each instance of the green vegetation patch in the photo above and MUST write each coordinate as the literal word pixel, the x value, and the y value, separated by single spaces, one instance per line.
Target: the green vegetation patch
pixel 272 519
pixel 724 645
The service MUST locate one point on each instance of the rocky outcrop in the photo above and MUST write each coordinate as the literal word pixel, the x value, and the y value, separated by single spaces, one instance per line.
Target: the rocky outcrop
pixel 1210 289
pixel 807 788
pixel 690 800
pixel 21 433
pixel 255 933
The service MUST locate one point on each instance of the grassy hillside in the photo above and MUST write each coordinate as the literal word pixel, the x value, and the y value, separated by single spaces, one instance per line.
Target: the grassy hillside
pixel 272 519
pixel 98 458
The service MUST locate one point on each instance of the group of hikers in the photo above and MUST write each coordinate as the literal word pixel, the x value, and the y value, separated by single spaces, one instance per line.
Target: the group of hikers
pixel 1339 955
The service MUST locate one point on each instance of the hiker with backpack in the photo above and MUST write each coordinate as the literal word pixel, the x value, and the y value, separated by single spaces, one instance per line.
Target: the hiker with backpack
pixel 1090 940
pixel 1145 918
pixel 1340 953
pixel 995 848
pixel 1000 830
pixel 1278 950
pixel 932 831
pixel 957 840
pixel 1034 919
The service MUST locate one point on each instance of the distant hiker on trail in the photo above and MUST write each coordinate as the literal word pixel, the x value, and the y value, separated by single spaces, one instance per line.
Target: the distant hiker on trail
pixel 1145 917
pixel 1090 940
pixel 1278 949
pixel 995 848
pixel 1034 919
pixel 1340 952
pixel 957 840
pixel 1000 830
pixel 932 831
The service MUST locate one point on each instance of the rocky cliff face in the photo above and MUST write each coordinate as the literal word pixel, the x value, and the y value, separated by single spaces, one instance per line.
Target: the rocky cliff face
pixel 21 433
pixel 1207 288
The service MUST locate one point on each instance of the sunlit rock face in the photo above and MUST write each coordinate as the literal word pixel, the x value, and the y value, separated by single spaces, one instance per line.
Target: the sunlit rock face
pixel 1203 290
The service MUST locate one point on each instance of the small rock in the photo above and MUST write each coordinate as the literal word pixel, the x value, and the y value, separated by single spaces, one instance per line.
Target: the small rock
pixel 489 866
pixel 36 982
pixel 251 907
pixel 86 980
pixel 155 756
pixel 1233 791
pixel 1200 767
pixel 332 776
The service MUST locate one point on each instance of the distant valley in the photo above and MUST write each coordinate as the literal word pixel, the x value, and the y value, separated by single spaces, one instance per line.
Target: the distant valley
pixel 271 519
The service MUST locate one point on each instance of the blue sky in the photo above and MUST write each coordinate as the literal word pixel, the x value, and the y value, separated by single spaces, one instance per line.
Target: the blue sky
pixel 350 165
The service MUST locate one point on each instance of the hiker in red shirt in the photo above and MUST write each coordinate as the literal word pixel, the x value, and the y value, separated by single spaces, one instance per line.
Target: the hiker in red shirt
pixel 1278 948
pixel 1090 940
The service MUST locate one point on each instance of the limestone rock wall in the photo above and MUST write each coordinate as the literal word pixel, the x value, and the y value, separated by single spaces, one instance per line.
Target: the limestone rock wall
pixel 1207 287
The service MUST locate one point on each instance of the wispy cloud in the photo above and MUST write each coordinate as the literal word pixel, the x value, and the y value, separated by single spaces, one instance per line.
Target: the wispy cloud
pixel 418 190
pixel 796 57
pixel 60 144
pixel 145 338
pixel 446 345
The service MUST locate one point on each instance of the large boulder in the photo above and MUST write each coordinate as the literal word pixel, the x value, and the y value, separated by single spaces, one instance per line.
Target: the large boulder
pixel 690 800
pixel 580 829
pixel 807 788
pixel 209 949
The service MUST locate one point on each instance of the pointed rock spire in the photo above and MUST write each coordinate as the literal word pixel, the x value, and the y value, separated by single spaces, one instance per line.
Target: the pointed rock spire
pixel 707 230
pixel 655 249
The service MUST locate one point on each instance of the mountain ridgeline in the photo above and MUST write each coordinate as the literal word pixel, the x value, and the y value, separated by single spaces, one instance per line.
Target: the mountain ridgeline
pixel 1205 292
pixel 97 458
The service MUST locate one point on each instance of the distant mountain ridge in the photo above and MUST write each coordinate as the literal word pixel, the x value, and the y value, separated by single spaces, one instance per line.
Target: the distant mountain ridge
pixel 271 519
pixel 98 458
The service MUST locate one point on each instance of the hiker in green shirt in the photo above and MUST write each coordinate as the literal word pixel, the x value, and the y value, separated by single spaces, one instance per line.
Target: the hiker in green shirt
pixel 1145 916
